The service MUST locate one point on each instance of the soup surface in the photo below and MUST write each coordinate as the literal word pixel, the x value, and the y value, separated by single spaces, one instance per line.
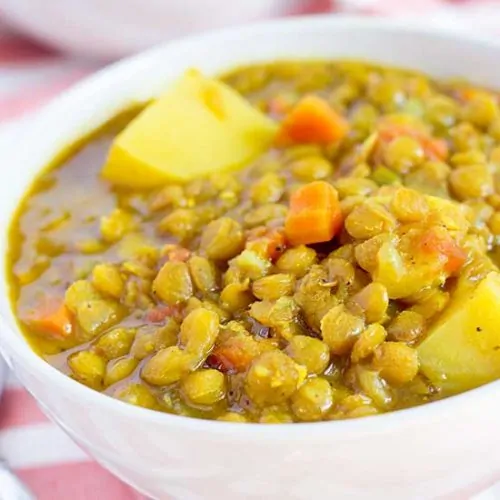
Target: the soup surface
pixel 348 271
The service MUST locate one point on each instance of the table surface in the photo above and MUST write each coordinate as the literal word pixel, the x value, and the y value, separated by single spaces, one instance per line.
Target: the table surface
pixel 42 455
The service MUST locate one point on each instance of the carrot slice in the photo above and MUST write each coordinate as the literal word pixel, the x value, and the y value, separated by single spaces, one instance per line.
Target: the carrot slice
pixel 270 243
pixel 159 313
pixel 466 94
pixel 234 355
pixel 52 318
pixel 312 120
pixel 176 253
pixel 434 149
pixel 315 215
pixel 440 242
pixel 276 244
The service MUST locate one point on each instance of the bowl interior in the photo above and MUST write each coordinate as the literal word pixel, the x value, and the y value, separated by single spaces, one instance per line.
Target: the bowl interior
pixel 92 102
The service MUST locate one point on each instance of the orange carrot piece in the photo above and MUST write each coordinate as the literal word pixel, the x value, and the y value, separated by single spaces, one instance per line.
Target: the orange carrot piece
pixel 276 244
pixel 434 149
pixel 269 242
pixel 160 313
pixel 176 253
pixel 234 355
pixel 389 131
pixel 52 318
pixel 466 94
pixel 440 242
pixel 312 120
pixel 315 215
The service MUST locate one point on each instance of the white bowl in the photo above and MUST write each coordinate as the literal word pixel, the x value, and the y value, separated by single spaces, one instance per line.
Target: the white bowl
pixel 116 28
pixel 418 453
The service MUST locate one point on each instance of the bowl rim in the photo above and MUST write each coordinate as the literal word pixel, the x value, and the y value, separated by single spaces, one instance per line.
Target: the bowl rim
pixel 376 424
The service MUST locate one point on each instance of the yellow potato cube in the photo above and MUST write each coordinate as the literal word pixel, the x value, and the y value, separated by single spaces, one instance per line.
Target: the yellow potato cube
pixel 199 126
pixel 462 350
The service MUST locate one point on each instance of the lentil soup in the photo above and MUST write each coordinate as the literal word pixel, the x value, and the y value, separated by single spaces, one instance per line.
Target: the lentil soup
pixel 347 269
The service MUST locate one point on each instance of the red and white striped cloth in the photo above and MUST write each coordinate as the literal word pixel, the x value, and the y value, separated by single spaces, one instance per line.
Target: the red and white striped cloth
pixel 41 454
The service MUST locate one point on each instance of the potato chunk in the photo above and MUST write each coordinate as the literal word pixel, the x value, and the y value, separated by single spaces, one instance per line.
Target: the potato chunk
pixel 462 349
pixel 199 126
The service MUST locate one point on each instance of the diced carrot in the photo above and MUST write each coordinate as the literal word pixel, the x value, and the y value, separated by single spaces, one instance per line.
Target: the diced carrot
pixel 176 253
pixel 434 149
pixel 159 313
pixel 388 131
pixel 466 94
pixel 440 242
pixel 312 120
pixel 276 245
pixel 270 243
pixel 52 318
pixel 234 355
pixel 315 215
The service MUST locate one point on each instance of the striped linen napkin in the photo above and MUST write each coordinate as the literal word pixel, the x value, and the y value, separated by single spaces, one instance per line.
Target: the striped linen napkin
pixel 42 455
